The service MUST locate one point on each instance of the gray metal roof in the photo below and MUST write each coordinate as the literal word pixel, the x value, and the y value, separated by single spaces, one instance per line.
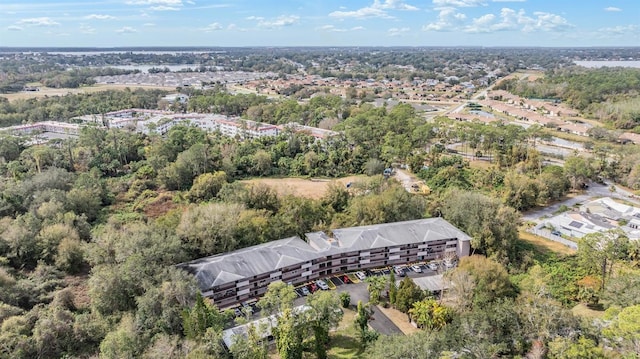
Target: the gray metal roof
pixel 247 262
pixel 384 235
pixel 264 258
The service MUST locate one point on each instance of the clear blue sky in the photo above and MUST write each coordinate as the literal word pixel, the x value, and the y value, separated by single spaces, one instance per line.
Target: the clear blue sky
pixel 320 23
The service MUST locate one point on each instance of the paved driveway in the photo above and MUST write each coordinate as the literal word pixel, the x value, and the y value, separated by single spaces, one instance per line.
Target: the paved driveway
pixel 358 292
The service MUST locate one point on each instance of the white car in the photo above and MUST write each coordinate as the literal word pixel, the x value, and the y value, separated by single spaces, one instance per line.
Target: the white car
pixel 416 268
pixel 399 271
pixel 361 275
pixel 322 285
pixel 305 291
pixel 449 265
pixel 433 266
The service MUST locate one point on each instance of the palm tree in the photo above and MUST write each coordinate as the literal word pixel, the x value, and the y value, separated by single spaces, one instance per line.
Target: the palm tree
pixel 375 286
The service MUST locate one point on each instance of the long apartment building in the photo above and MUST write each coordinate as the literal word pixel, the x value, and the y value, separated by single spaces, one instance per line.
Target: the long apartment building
pixel 237 276
pixel 44 126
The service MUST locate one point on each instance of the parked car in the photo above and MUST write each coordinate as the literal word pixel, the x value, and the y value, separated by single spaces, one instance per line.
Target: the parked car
pixel 556 233
pixel 322 285
pixel 398 271
pixel 305 291
pixel 433 266
pixel 361 275
pixel 237 312
pixel 416 268
pixel 450 264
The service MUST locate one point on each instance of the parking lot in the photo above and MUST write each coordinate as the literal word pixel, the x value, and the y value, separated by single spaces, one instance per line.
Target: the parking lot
pixel 357 289
pixel 355 284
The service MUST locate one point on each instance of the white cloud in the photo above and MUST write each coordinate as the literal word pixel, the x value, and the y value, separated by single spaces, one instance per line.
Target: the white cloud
pixel 612 9
pixel 459 3
pixel 280 21
pixel 393 5
pixel 377 9
pixel 86 29
pixel 394 31
pixel 510 20
pixel 549 22
pixel 212 27
pixel 38 21
pixel 508 0
pixel 160 5
pixel 234 27
pixel 14 28
pixel 332 28
pixel 155 2
pixel 148 24
pixel 126 30
pixel 164 8
pixel 364 13
pixel 99 17
pixel 482 24
pixel 619 30
pixel 449 19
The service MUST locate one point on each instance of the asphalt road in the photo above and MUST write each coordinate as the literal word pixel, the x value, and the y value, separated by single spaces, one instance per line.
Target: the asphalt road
pixel 595 190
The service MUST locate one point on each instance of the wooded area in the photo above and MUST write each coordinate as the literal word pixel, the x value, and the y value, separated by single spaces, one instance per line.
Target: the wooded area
pixel 91 229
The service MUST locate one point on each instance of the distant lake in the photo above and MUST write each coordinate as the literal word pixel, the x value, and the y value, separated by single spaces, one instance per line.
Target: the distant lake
pixel 594 64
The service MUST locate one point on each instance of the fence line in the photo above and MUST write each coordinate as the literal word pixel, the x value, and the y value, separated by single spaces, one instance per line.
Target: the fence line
pixel 547 234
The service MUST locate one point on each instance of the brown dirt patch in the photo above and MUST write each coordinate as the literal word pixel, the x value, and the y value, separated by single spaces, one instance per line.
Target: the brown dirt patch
pixel 301 187
pixel 545 244
pixel 80 290
pixel 160 206
pixel 399 319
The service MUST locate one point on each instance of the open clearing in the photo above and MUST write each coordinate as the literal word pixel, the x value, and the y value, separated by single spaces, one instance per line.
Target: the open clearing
pixel 545 244
pixel 584 311
pixel 49 92
pixel 301 187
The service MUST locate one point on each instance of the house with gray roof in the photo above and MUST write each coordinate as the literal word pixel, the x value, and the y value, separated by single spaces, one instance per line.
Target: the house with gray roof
pixel 237 276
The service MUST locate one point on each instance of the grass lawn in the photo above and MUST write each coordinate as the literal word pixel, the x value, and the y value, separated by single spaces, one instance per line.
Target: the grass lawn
pixel 584 311
pixel 48 91
pixel 544 245
pixel 480 164
pixel 301 187
pixel 344 341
